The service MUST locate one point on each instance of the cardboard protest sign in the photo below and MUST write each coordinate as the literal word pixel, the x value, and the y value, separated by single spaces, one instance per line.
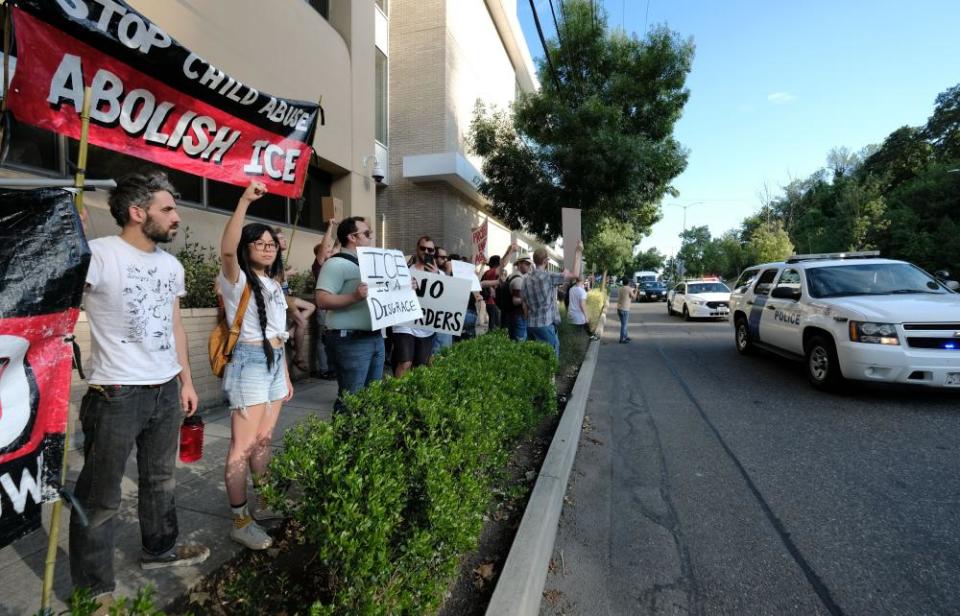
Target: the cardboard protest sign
pixel 444 302
pixel 479 235
pixel 152 98
pixel 390 298
pixel 43 265
pixel 467 272
pixel 570 219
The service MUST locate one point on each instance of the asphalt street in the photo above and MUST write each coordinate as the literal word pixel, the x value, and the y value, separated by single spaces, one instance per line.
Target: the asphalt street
pixel 711 483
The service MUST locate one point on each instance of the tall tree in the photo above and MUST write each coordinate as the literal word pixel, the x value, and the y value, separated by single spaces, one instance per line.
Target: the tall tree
pixel 648 260
pixel 610 249
pixel 694 253
pixel 769 242
pixel 598 135
pixel 943 127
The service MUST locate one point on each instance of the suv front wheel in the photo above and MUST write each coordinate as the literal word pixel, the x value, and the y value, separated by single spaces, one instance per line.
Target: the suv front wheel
pixel 823 366
pixel 742 333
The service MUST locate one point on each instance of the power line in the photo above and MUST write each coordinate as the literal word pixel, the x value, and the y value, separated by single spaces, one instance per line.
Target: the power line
pixel 543 42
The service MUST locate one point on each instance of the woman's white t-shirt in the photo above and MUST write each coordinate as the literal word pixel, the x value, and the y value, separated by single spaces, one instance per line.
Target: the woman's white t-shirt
pixel 575 311
pixel 274 302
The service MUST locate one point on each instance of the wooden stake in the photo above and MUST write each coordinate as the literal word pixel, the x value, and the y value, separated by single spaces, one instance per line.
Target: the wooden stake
pixel 54 536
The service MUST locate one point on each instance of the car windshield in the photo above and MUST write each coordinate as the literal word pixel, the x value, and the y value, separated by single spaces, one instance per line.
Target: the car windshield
pixel 707 287
pixel 870 279
pixel 653 286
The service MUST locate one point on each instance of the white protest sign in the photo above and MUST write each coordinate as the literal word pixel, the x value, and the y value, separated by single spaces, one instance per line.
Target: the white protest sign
pixel 467 271
pixel 390 298
pixel 444 302
pixel 570 219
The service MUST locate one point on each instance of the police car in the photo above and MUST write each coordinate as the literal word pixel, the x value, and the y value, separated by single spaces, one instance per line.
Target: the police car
pixel 704 298
pixel 851 316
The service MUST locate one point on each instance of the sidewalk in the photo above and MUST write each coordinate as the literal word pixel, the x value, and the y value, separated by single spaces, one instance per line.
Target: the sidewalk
pixel 204 517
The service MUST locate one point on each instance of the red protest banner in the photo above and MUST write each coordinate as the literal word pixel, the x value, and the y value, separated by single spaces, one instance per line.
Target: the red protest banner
pixel 154 99
pixel 41 283
pixel 480 243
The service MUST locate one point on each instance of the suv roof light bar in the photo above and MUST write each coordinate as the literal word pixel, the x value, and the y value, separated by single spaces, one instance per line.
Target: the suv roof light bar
pixel 863 254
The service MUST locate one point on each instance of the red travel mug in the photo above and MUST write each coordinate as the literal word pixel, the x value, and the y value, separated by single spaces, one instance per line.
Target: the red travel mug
pixel 191 439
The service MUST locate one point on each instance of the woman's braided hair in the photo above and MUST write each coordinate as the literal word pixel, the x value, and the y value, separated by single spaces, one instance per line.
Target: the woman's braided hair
pixel 250 234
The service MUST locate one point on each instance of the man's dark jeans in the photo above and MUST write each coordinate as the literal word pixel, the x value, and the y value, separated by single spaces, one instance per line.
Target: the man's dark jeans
pixel 114 418
pixel 358 360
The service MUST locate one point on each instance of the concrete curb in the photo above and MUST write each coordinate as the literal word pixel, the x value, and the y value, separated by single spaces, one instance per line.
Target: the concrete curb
pixel 520 586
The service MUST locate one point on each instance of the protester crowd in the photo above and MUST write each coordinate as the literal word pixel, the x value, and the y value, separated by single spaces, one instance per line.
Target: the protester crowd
pixel 141 385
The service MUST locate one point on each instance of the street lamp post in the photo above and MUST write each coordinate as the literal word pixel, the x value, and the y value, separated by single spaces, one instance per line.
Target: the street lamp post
pixel 685 206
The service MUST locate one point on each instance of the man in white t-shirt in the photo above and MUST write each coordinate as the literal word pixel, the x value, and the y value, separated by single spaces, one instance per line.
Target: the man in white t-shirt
pixel 138 354
pixel 577 306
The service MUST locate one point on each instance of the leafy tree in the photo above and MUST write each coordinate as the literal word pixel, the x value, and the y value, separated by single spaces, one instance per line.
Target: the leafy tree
pixel 943 127
pixel 694 250
pixel 648 260
pixel 904 155
pixel 610 250
pixel 770 242
pixel 598 135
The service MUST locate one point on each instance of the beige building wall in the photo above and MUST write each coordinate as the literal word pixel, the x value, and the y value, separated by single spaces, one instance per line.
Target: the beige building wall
pixel 286 48
pixel 445 55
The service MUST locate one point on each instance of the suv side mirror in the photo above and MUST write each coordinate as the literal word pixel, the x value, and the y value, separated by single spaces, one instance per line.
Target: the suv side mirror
pixel 790 293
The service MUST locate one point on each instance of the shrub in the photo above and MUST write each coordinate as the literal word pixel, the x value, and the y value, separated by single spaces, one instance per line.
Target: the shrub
pixel 394 490
pixel 302 283
pixel 596 302
pixel 201 264
pixel 83 604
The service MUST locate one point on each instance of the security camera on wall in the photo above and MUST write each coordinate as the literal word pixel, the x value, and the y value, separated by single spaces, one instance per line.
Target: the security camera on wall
pixel 377 173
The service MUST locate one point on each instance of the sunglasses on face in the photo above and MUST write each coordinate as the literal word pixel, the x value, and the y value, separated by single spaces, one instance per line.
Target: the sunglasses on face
pixel 427 250
pixel 367 234
pixel 444 257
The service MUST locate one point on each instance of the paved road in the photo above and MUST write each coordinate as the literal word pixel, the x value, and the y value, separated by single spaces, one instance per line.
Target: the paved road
pixel 710 483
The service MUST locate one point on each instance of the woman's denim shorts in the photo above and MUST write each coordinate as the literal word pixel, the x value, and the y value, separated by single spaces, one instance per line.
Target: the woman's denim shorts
pixel 248 382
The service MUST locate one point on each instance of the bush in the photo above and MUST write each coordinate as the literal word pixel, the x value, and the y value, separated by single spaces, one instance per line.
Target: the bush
pixel 596 301
pixel 201 264
pixel 395 489
pixel 83 604
pixel 302 283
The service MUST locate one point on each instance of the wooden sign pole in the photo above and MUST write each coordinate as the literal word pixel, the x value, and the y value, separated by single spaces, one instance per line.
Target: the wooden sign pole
pixel 53 538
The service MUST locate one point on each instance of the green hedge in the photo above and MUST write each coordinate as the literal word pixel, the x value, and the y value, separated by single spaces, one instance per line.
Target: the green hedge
pixel 394 491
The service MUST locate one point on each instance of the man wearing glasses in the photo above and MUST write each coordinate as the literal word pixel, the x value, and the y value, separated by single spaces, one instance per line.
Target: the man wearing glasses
pixel 442 341
pixel 355 347
pixel 413 346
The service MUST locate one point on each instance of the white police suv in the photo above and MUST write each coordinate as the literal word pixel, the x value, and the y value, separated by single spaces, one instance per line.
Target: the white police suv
pixel 851 316
pixel 704 298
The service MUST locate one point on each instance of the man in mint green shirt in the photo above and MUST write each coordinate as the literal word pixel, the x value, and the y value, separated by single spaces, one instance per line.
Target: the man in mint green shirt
pixel 355 348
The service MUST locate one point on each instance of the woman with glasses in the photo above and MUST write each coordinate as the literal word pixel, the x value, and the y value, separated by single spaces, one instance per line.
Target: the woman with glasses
pixel 256 380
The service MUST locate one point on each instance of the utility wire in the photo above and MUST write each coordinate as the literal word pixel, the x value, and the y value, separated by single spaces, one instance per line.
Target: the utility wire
pixel 543 42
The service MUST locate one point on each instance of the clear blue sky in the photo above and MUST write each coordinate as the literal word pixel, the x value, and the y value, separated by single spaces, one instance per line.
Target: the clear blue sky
pixel 776 84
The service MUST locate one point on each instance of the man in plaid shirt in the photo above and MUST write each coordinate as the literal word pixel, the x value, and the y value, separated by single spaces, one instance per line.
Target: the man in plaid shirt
pixel 540 297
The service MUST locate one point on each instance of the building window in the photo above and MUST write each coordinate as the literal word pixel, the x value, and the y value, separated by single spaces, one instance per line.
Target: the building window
pixel 382 4
pixel 32 147
pixel 103 164
pixel 321 6
pixel 381 76
pixel 316 187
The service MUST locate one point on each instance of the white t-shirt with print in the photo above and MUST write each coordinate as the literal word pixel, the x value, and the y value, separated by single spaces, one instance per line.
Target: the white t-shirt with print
pixel 129 303
pixel 274 302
